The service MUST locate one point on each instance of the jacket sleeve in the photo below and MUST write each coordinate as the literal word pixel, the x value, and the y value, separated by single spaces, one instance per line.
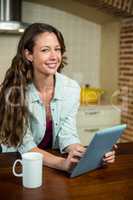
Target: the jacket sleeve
pixel 68 130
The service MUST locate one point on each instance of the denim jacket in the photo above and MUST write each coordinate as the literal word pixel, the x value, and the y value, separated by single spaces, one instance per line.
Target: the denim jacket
pixel 64 106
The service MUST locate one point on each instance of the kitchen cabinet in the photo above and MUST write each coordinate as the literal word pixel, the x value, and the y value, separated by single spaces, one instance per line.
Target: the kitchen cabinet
pixel 94 118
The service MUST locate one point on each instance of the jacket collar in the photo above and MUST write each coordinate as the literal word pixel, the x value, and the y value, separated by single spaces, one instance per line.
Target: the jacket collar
pixel 58 95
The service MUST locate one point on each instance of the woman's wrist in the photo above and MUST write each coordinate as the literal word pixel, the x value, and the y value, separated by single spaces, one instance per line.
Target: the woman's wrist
pixel 61 164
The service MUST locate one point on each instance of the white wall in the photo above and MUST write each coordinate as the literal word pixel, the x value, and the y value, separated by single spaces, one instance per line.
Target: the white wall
pixel 8 45
pixel 109 71
pixel 82 39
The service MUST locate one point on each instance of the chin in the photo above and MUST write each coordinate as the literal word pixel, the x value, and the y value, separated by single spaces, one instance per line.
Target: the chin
pixel 51 71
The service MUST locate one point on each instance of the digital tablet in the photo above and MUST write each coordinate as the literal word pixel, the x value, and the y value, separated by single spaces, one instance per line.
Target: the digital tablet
pixel 102 143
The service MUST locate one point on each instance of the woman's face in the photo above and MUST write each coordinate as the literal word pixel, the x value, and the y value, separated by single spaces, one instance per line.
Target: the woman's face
pixel 46 56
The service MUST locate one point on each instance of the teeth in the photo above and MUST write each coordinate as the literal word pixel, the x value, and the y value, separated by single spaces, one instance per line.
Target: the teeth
pixel 51 65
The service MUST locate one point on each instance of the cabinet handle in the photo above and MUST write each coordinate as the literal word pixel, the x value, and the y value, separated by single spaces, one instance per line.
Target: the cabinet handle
pixel 91 130
pixel 91 112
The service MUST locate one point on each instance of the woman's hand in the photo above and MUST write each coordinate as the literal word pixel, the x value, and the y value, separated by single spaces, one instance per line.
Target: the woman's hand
pixel 76 147
pixel 75 153
pixel 109 157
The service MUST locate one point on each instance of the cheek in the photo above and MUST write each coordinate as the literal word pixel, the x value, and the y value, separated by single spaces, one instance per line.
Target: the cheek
pixel 41 58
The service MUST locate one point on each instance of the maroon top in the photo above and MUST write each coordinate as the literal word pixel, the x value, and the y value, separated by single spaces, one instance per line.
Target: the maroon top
pixel 47 139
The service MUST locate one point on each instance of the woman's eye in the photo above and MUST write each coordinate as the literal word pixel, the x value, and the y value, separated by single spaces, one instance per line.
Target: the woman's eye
pixel 45 50
pixel 58 49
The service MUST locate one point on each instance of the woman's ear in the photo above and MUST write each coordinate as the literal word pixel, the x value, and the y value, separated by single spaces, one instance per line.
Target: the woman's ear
pixel 28 55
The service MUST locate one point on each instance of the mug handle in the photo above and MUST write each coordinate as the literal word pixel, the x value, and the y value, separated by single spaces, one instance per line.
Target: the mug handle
pixel 13 168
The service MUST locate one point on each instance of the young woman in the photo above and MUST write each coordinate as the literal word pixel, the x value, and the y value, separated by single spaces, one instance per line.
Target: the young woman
pixel 39 105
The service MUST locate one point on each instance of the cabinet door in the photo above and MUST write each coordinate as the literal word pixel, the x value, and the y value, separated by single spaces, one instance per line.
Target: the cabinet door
pixel 86 135
pixel 94 118
pixel 90 120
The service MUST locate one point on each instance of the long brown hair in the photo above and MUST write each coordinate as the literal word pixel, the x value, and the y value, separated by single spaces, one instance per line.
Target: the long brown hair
pixel 13 110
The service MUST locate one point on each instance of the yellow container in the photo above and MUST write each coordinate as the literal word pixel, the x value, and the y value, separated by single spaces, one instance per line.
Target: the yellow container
pixel 90 95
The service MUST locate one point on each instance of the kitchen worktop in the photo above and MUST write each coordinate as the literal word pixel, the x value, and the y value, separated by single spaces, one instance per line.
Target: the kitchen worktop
pixel 100 106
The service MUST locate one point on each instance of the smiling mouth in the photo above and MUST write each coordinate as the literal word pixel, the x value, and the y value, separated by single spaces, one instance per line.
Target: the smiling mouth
pixel 52 65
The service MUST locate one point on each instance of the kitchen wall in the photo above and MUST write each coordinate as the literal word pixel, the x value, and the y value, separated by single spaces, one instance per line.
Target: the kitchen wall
pixel 8 45
pixel 110 58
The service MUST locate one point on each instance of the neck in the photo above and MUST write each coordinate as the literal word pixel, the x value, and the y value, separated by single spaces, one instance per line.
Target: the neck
pixel 44 83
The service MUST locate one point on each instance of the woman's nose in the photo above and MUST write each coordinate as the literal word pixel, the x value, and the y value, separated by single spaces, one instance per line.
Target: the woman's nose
pixel 53 54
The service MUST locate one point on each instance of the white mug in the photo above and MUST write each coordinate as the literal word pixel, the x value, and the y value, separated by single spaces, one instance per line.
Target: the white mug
pixel 32 163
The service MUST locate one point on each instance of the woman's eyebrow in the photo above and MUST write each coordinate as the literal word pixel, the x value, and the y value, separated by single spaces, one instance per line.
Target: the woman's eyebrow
pixel 46 46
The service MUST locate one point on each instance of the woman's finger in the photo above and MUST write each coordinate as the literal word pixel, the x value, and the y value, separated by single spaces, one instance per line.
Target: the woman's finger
pixel 115 146
pixel 110 153
pixel 109 157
